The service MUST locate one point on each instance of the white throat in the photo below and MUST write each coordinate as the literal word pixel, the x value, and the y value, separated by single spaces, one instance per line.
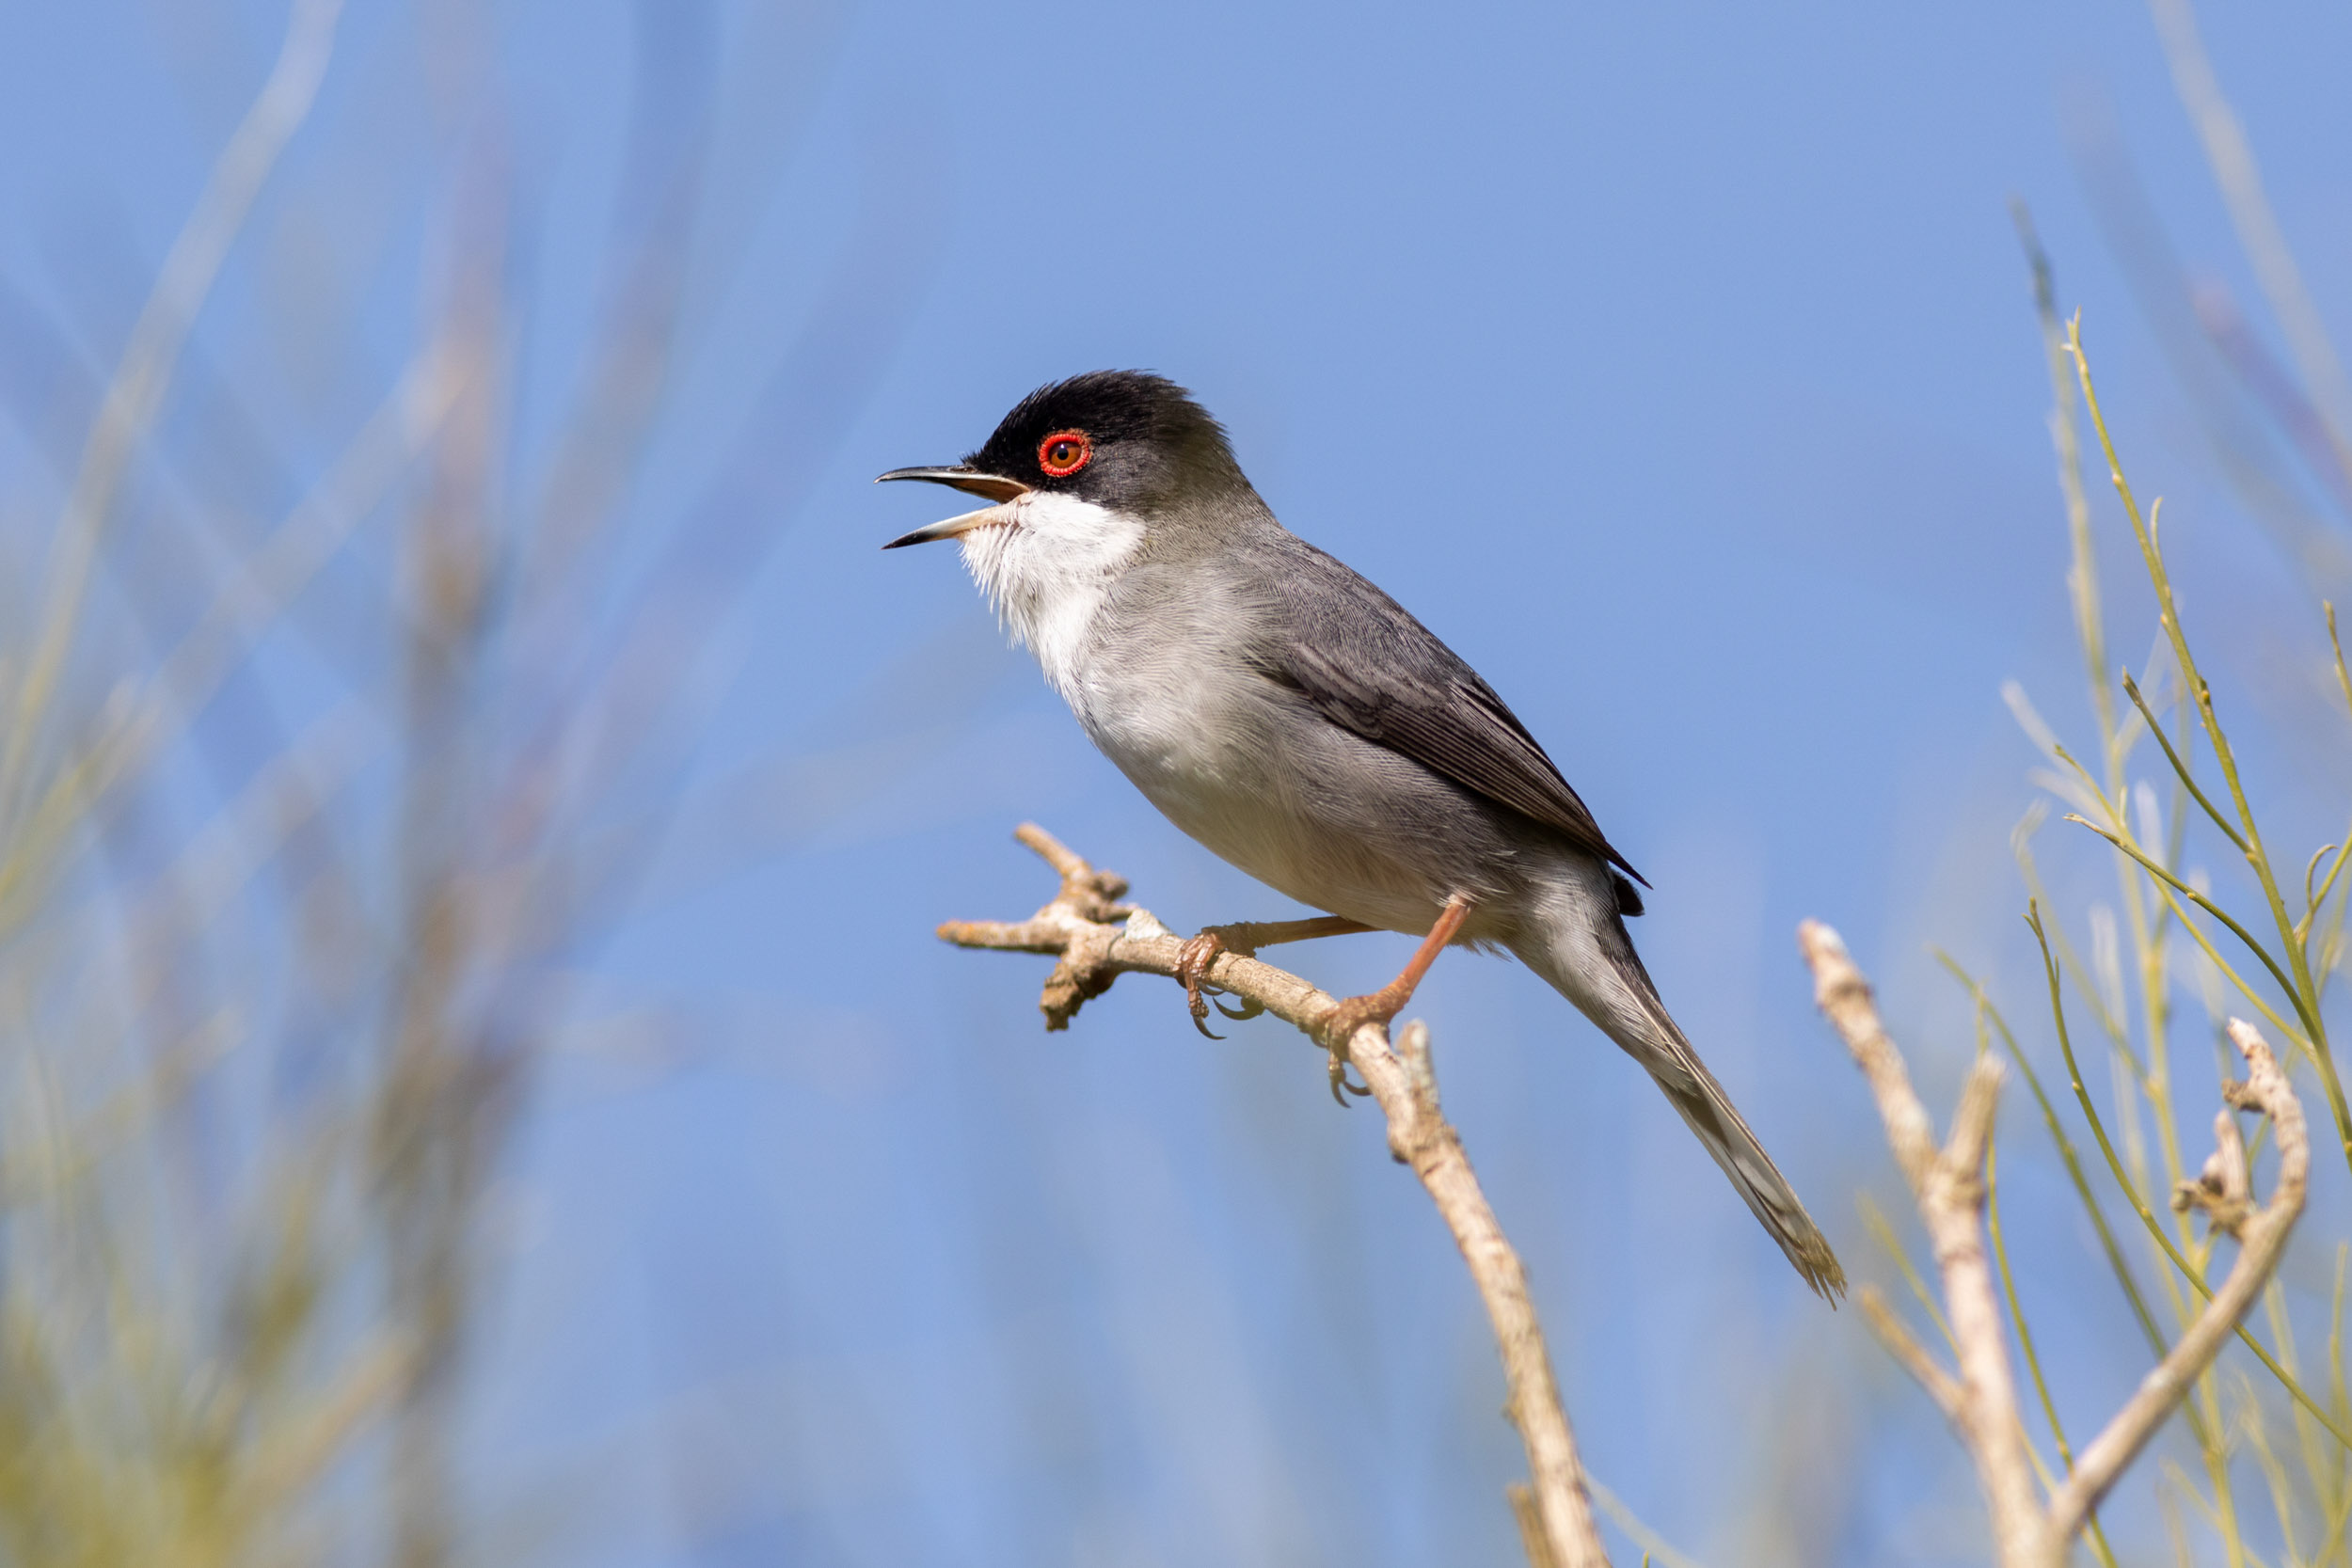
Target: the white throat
pixel 1046 568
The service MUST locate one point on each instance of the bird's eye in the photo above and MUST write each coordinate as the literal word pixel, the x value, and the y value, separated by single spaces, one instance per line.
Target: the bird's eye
pixel 1064 453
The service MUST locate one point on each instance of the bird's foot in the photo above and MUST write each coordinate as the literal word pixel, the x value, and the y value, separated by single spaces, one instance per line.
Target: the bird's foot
pixel 1334 1029
pixel 1338 1026
pixel 1192 968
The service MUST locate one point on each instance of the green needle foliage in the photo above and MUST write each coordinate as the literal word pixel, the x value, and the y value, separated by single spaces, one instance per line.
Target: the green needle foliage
pixel 2268 1425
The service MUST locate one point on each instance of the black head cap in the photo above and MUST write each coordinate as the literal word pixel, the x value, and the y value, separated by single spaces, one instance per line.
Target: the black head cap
pixel 1126 439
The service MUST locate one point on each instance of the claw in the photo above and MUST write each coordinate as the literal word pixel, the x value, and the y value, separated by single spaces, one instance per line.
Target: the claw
pixel 1338 1026
pixel 1338 1065
pixel 1243 939
pixel 1192 968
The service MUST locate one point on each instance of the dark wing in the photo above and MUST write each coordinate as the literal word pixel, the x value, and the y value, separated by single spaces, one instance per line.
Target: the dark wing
pixel 1365 664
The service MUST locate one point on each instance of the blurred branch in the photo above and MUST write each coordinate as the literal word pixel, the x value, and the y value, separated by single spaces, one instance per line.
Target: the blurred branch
pixel 1653 1549
pixel 235 1292
pixel 2236 403
pixel 1904 1347
pixel 1077 928
pixel 1949 1184
pixel 2232 156
pixel 2082 575
pixel 137 389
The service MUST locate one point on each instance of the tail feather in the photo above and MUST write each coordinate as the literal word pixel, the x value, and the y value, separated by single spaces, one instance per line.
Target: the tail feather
pixel 1596 969
pixel 1734 1146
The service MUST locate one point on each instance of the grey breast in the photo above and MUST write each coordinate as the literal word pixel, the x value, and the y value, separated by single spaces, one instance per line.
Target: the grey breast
pixel 1181 690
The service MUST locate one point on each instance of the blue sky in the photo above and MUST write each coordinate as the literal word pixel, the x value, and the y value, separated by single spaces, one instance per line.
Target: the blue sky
pixel 1675 363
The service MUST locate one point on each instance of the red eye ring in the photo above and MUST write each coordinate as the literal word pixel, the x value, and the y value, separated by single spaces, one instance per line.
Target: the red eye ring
pixel 1064 453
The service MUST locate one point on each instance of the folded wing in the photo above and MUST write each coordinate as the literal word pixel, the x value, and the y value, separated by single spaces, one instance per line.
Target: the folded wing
pixel 1388 678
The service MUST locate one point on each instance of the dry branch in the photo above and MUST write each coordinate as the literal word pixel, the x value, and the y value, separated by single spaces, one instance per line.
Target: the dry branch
pixel 1949 1184
pixel 2262 1238
pixel 1096 939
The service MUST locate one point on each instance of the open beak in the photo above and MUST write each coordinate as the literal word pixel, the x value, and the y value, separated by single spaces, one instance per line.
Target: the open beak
pixel 996 489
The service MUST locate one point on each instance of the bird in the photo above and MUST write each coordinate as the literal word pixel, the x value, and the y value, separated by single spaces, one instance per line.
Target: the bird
pixel 1299 724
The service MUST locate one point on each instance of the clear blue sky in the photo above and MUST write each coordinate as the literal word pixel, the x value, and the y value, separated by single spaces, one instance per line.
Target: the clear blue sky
pixel 1675 363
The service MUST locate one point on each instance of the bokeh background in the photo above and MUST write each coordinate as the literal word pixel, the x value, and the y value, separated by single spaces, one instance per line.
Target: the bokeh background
pixel 512 923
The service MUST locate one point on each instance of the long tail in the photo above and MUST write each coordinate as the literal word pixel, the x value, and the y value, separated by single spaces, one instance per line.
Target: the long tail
pixel 1588 958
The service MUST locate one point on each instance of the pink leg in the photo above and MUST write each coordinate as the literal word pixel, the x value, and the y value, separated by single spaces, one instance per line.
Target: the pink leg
pixel 1382 1006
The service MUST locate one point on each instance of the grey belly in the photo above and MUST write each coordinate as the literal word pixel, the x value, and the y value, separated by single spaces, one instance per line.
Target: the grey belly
pixel 1311 810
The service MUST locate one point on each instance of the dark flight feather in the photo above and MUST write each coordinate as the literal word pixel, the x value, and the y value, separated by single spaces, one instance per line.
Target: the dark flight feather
pixel 1416 697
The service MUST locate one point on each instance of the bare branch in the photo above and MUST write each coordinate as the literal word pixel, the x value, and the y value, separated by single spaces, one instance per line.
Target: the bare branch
pixel 2262 1236
pixel 1420 1136
pixel 1076 928
pixel 1841 993
pixel 1950 1186
pixel 1530 1518
pixel 1982 1401
pixel 1904 1347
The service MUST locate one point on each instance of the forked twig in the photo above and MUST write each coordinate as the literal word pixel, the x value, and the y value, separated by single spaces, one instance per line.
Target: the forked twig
pixel 2261 1237
pixel 1096 939
pixel 1982 1401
